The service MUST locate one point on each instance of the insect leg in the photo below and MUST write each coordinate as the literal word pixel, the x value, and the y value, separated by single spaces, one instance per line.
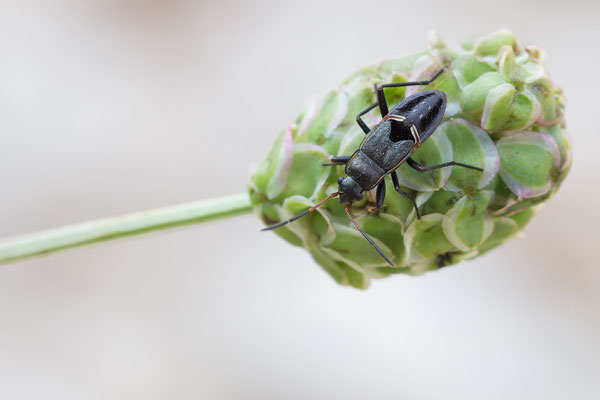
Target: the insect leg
pixel 411 197
pixel 422 168
pixel 381 253
pixel 360 122
pixel 380 196
pixel 337 161
pixel 383 107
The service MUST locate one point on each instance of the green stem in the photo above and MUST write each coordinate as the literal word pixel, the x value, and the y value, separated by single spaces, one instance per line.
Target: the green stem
pixel 126 225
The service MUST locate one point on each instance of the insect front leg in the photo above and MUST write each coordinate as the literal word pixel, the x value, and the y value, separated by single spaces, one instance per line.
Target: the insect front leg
pixel 380 194
pixel 411 197
pixel 383 107
pixel 341 160
pixel 422 168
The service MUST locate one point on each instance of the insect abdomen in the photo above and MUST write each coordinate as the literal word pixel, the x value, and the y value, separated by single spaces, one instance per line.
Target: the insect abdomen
pixel 364 170
pixel 425 109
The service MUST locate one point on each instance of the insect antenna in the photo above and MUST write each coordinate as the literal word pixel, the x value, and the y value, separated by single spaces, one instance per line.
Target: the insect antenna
pixel 381 253
pixel 302 214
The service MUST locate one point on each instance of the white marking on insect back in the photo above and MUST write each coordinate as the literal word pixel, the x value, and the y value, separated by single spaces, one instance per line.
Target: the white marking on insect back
pixel 415 134
pixel 399 118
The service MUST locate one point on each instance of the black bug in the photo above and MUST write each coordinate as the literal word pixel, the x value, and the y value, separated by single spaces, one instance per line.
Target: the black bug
pixel 387 146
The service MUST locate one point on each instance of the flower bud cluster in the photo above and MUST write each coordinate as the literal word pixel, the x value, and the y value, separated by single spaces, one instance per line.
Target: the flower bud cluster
pixel 503 114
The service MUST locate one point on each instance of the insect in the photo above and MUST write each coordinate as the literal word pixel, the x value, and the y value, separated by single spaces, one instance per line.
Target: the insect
pixel 385 147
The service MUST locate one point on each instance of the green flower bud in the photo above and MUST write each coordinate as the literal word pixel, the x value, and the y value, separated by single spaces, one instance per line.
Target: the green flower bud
pixel 503 114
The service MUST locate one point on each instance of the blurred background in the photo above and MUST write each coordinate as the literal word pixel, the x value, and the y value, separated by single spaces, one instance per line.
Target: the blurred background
pixel 113 106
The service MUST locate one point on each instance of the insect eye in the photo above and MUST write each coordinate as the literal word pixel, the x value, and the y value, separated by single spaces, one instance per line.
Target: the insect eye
pixel 340 179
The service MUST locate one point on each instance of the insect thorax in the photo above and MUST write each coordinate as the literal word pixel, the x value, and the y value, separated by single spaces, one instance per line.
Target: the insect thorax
pixel 382 151
pixel 364 170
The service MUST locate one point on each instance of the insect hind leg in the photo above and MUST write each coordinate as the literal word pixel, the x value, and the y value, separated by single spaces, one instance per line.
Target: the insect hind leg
pixel 413 164
pixel 383 107
pixel 359 120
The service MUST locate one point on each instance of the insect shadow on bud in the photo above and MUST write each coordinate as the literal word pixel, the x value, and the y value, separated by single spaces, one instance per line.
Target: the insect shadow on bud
pixel 385 147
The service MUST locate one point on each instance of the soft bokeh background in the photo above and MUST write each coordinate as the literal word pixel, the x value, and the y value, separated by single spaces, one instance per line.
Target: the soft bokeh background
pixel 113 106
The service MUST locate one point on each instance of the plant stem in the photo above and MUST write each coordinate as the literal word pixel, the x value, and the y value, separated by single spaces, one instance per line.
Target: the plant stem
pixel 122 226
